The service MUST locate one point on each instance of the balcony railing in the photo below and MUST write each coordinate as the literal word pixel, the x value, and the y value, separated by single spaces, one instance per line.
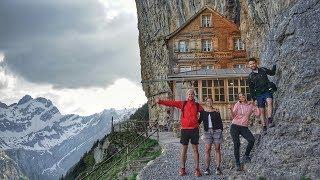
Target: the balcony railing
pixel 209 55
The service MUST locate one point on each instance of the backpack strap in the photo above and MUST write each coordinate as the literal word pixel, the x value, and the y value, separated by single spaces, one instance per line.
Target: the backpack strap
pixel 197 105
pixel 183 105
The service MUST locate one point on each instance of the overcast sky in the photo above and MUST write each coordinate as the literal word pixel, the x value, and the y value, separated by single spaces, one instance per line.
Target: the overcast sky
pixel 83 55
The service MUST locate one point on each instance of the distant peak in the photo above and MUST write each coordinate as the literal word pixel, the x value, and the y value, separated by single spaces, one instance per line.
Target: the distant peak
pixel 44 101
pixel 3 105
pixel 25 99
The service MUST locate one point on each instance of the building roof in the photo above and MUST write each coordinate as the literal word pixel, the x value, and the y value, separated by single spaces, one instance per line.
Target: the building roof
pixel 196 15
pixel 211 73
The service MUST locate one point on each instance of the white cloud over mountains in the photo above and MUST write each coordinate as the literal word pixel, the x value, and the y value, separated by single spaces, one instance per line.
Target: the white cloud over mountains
pixel 83 55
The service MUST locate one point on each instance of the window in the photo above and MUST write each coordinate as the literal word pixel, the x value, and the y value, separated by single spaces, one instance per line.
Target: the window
pixel 206 89
pixel 206 20
pixel 235 86
pixel 219 90
pixel 239 66
pixel 238 44
pixel 185 68
pixel 183 46
pixel 206 45
pixel 233 89
pixel 194 84
pixel 244 88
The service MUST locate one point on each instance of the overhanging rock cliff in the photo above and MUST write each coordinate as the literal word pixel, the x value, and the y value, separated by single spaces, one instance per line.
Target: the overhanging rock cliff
pixel 285 33
pixel 156 20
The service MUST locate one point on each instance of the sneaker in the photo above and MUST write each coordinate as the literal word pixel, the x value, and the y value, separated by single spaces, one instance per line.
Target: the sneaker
pixel 270 123
pixel 246 159
pixel 182 172
pixel 197 173
pixel 207 172
pixel 264 128
pixel 218 171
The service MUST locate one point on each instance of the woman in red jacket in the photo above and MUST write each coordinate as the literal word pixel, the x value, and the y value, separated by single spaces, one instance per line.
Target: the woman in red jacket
pixel 189 128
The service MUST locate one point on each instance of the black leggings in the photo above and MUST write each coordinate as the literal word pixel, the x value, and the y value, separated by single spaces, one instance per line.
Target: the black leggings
pixel 235 131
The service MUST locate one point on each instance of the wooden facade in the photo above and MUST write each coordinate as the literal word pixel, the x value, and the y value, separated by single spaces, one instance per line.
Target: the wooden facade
pixel 207 54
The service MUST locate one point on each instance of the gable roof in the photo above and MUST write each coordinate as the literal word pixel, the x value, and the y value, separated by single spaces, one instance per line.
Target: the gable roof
pixel 196 15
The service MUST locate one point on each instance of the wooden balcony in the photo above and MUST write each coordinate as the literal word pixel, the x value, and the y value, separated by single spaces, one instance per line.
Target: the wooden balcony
pixel 209 55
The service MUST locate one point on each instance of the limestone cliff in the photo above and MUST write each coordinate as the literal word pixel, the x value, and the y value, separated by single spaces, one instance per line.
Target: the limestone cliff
pixel 8 168
pixel 285 33
pixel 156 20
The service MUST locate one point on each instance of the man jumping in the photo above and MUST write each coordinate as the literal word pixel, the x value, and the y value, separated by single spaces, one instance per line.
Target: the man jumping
pixel 259 91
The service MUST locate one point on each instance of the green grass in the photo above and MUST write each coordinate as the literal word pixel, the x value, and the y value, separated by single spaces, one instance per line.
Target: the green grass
pixel 305 178
pixel 149 149
pixel 132 177
pixel 262 178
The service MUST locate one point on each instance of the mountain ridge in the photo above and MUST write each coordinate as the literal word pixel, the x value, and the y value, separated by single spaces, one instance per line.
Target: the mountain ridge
pixel 45 143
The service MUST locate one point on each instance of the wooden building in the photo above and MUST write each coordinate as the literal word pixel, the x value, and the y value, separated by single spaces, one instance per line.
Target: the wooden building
pixel 207 53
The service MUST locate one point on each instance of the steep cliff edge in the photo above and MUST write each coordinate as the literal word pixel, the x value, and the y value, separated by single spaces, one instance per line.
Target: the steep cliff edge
pixel 285 33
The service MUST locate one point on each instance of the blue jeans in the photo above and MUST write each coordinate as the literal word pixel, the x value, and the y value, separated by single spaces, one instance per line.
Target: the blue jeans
pixel 261 99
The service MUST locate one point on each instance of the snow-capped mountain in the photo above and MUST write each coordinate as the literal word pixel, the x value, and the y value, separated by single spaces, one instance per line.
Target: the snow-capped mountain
pixel 45 143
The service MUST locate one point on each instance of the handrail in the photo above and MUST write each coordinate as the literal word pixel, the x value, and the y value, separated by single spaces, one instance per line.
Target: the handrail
pixel 126 155
pixel 118 152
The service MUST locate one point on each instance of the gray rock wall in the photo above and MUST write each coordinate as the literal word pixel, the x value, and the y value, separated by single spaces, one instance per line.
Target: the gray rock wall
pixel 156 20
pixel 8 168
pixel 285 33
pixel 288 36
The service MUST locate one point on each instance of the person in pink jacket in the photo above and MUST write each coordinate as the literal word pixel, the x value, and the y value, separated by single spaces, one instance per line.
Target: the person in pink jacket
pixel 240 114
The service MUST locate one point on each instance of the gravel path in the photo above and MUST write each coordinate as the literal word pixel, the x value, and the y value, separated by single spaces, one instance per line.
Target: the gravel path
pixel 167 165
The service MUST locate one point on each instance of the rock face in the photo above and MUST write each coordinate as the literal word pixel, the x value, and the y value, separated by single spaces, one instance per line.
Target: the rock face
pixel 43 142
pixel 285 33
pixel 156 20
pixel 8 168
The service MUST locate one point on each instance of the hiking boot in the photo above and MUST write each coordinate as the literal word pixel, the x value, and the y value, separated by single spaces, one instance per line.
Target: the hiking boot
pixel 271 125
pixel 182 172
pixel 207 172
pixel 246 159
pixel 197 173
pixel 238 167
pixel 218 171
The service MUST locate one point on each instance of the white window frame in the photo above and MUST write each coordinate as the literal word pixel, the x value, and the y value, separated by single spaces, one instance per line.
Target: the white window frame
pixel 238 44
pixel 185 68
pixel 206 45
pixel 239 66
pixel 206 20
pixel 183 46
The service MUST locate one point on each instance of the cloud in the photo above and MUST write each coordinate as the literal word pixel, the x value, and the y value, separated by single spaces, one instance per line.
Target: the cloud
pixel 123 93
pixel 82 55
pixel 70 44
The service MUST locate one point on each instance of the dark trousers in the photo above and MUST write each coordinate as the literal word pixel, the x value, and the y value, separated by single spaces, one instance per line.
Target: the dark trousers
pixel 236 131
